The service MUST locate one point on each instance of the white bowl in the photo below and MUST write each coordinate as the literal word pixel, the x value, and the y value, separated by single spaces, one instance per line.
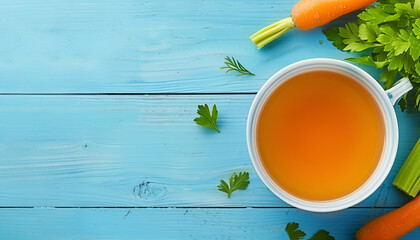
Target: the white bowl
pixel 384 99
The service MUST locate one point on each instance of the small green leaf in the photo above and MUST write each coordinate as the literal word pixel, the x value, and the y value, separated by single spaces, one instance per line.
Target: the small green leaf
pixel 374 15
pixel 234 65
pixel 404 35
pixel 293 231
pixel 349 31
pixel 403 103
pixel 416 28
pixel 388 8
pixel 332 35
pixel 403 22
pixel 417 67
pixel 396 63
pixel 322 235
pixel 358 47
pixel 384 39
pixel 388 77
pixel 368 32
pixel 236 182
pixel 206 119
pixel 414 48
pixel 401 48
pixel 388 31
pixel 406 8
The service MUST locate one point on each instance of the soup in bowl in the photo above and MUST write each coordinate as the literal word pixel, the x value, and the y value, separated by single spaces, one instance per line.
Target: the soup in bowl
pixel 322 134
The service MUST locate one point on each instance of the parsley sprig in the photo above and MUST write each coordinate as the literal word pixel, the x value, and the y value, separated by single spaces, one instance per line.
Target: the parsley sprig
pixel 388 35
pixel 206 119
pixel 234 65
pixel 295 233
pixel 236 182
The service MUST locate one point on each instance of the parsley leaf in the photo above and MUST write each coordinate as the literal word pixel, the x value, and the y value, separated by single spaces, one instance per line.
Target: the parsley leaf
pixel 332 35
pixel 403 103
pixel 368 32
pixel 236 182
pixel 322 235
pixel 388 77
pixel 293 232
pixel 416 28
pixel 206 119
pixel 367 60
pixel 377 15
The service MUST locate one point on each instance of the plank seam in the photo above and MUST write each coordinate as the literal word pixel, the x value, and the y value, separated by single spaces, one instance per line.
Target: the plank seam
pixel 124 94
pixel 187 207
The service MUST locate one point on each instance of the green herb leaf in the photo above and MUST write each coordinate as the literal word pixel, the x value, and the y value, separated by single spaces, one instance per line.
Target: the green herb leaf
pixel 406 8
pixel 333 35
pixel 416 28
pixel 322 235
pixel 417 66
pixel 403 103
pixel 236 182
pixel 351 37
pixel 388 77
pixel 368 32
pixel 293 231
pixel 376 15
pixel 367 60
pixel 357 47
pixel 234 65
pixel 414 47
pixel 206 119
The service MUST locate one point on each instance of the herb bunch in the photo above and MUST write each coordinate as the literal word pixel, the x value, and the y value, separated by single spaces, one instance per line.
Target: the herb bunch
pixel 388 37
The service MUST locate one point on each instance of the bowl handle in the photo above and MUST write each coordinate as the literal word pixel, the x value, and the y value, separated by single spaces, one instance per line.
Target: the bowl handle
pixel 399 88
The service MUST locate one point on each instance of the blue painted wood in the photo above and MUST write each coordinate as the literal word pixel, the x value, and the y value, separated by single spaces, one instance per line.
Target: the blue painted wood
pixel 138 151
pixel 96 46
pixel 267 224
pixel 145 150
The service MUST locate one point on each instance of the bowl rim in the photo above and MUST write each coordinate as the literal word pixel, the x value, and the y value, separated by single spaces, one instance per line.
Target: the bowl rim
pixel 390 140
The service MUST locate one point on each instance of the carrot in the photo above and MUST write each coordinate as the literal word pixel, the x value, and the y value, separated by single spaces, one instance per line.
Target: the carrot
pixel 308 14
pixel 394 224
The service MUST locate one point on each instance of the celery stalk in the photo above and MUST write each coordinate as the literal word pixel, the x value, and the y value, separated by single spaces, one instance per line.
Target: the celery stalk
pixel 271 32
pixel 408 178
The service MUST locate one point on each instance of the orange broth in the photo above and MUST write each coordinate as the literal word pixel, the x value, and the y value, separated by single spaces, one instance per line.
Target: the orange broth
pixel 320 135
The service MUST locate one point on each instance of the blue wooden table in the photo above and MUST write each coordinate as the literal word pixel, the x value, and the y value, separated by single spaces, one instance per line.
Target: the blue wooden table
pixel 97 141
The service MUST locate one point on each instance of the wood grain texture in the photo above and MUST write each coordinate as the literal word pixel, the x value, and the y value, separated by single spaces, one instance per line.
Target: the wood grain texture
pixel 121 46
pixel 138 151
pixel 169 223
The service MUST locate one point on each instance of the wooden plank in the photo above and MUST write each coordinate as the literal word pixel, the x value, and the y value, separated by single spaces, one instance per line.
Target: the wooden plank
pixel 91 46
pixel 174 223
pixel 138 151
